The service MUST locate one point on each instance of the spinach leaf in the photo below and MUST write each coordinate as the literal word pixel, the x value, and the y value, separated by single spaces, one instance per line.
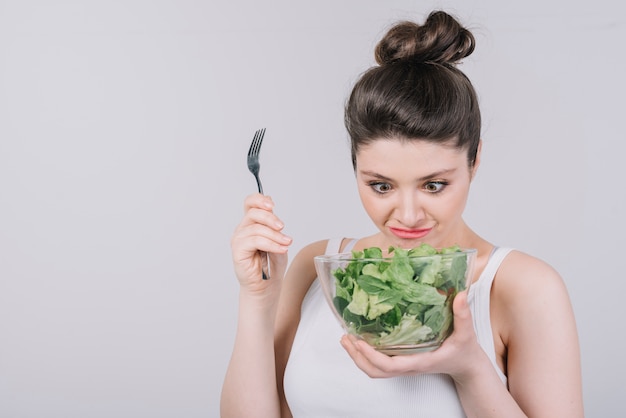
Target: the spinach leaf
pixel 401 298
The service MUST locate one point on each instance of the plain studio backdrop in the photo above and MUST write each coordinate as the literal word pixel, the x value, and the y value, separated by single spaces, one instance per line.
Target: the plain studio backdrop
pixel 124 127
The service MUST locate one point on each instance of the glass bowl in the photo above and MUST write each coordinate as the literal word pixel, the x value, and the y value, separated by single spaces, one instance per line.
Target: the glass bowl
pixel 399 302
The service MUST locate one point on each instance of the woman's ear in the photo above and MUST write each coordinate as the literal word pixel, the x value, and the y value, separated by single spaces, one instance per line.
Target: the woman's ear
pixel 477 159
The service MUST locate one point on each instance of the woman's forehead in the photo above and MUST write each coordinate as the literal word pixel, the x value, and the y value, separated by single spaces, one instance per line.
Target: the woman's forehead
pixel 395 151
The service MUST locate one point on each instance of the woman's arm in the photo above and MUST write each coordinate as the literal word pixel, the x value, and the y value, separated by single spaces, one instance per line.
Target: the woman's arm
pixel 480 389
pixel 532 314
pixel 269 313
pixel 262 369
pixel 249 388
pixel 250 384
pixel 543 355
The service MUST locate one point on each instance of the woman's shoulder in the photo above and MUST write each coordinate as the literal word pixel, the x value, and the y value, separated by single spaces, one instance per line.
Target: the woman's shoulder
pixel 321 247
pixel 302 267
pixel 533 319
pixel 525 283
pixel 521 270
pixel 307 253
pixel 301 271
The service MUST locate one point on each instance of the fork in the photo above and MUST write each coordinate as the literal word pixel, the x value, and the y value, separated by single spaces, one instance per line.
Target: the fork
pixel 254 167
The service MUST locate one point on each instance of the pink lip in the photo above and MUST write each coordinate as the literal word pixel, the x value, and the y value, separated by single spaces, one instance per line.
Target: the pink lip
pixel 410 233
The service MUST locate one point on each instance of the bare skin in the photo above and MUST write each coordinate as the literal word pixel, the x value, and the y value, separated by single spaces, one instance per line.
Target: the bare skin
pixel 409 188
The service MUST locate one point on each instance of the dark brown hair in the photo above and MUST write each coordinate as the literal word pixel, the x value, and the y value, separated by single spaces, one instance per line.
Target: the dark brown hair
pixel 416 91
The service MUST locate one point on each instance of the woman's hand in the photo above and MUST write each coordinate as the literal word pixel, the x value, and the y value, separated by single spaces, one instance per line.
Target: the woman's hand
pixel 259 230
pixel 454 357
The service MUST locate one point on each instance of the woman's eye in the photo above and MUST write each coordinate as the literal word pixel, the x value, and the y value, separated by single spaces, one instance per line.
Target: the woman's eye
pixel 381 187
pixel 435 186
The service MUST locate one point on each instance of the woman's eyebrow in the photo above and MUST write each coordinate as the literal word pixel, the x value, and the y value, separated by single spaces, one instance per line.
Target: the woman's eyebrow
pixel 436 174
pixel 374 174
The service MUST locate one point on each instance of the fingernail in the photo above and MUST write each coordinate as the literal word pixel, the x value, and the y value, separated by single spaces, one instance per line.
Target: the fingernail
pixel 346 342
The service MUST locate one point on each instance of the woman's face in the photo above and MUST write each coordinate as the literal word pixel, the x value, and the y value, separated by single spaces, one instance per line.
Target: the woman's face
pixel 414 191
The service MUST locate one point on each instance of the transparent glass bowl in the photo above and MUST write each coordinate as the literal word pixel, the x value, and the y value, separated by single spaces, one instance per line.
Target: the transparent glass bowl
pixel 398 304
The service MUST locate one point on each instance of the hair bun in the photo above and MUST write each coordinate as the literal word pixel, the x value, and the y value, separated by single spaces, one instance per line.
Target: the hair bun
pixel 441 39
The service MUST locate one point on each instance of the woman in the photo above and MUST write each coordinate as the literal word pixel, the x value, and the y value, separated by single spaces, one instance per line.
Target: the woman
pixel 414 125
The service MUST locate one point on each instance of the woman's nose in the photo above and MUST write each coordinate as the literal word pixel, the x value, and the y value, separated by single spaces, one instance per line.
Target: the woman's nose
pixel 409 210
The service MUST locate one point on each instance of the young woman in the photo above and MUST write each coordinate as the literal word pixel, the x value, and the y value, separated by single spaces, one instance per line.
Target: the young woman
pixel 414 125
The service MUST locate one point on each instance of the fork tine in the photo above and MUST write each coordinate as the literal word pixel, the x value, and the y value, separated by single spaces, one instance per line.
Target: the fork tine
pixel 255 146
pixel 259 140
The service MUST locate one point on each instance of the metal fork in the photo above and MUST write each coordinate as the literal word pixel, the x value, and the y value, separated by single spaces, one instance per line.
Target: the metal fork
pixel 253 156
pixel 254 167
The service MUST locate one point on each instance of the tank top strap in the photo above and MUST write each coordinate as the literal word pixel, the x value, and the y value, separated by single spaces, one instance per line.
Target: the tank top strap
pixel 493 264
pixel 479 301
pixel 334 246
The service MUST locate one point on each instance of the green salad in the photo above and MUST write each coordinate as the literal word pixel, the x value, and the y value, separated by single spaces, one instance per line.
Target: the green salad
pixel 400 299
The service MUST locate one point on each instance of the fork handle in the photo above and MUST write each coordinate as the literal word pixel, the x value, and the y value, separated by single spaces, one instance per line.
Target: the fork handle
pixel 265 257
pixel 265 265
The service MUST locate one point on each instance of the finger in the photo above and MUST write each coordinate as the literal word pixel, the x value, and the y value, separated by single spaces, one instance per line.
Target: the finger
pixel 366 357
pixel 376 364
pixel 463 335
pixel 461 310
pixel 349 343
pixel 256 236
pixel 260 221
pixel 263 217
pixel 258 200
pixel 259 210
pixel 260 231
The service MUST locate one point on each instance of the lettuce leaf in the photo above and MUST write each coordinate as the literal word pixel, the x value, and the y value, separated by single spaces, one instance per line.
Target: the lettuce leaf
pixel 400 299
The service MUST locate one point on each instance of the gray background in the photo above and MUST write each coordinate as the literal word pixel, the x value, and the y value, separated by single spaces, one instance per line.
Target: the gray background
pixel 123 132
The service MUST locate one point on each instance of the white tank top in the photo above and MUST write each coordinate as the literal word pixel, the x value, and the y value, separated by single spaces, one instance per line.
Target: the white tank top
pixel 322 381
